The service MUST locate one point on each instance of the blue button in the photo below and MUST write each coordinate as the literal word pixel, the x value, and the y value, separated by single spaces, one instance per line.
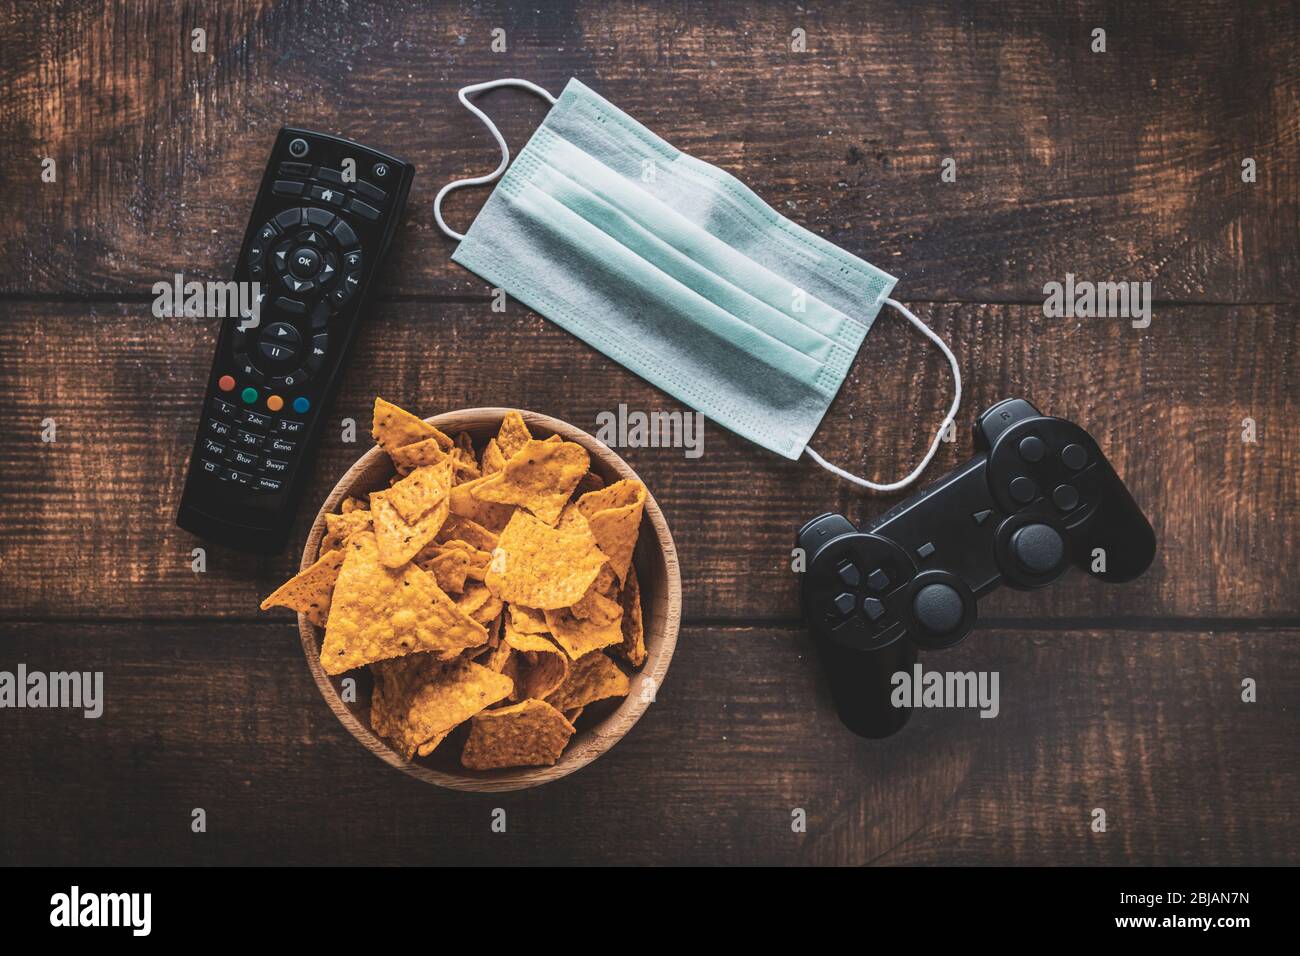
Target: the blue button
pixel 301 404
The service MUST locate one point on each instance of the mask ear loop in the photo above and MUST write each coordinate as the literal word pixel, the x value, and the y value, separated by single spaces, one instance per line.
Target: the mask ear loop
pixel 464 95
pixel 938 437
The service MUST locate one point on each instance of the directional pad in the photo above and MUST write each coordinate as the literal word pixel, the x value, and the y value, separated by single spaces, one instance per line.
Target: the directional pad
pixel 878 580
pixel 845 603
pixel 849 575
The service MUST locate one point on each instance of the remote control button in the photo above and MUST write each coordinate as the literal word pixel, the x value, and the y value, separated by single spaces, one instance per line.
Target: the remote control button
pixel 845 603
pixel 849 575
pixel 268 232
pixel 364 210
pixel 249 395
pixel 226 383
pixel 214 448
pixel 249 371
pixel 298 147
pixel 380 170
pixel 982 516
pixel 209 467
pixel 267 484
pixel 256 251
pixel 1032 449
pixel 279 446
pixel 247 439
pixel 353 260
pixel 291 306
pixel 313 237
pixel 275 466
pixel 225 409
pixel 340 294
pixel 251 419
pixel 925 550
pixel 325 194
pixel 320 316
pixel 878 580
pixel 274 402
pixel 289 219
pixel 300 286
pixel 238 477
pixel 305 262
pixel 328 270
pixel 318 217
pixel 1065 497
pixel 256 271
pixel 1022 490
pixel 1074 456
pixel 286 187
pixel 1038 548
pixel 281 333
pixel 371 192
pixel 290 428
pixel 344 234
pixel 292 380
pixel 302 405
pixel 937 608
pixel 327 175
pixel 873 608
pixel 319 345
pixel 295 169
pixel 277 353
pixel 242 458
pixel 218 427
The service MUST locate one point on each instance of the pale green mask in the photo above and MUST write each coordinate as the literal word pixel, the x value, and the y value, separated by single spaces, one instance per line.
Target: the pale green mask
pixel 677 271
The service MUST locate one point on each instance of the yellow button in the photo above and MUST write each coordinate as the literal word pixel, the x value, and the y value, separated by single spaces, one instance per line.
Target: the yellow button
pixel 274 402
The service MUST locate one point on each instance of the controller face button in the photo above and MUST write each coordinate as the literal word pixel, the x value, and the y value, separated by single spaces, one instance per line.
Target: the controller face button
pixel 925 550
pixel 1038 548
pixel 873 608
pixel 848 574
pixel 878 580
pixel 845 603
pixel 1032 449
pixel 1022 490
pixel 1074 456
pixel 937 608
pixel 1065 497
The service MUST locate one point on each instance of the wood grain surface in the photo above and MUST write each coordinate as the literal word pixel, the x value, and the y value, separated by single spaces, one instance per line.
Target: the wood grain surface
pixel 1116 166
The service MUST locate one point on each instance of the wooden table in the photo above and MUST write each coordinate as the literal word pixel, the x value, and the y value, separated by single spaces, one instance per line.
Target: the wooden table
pixel 1124 165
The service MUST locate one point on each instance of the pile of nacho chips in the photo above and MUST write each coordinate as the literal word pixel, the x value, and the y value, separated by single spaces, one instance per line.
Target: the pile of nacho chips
pixel 496 588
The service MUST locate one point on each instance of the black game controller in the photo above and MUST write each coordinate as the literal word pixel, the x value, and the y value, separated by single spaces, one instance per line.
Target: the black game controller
pixel 1037 497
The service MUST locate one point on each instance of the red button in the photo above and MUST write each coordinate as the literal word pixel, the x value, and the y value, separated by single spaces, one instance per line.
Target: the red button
pixel 225 383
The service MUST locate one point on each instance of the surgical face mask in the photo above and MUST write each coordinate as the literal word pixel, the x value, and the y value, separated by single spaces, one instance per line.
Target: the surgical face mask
pixel 676 270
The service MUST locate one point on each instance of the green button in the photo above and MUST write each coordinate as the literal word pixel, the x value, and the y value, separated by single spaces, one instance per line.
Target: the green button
pixel 249 395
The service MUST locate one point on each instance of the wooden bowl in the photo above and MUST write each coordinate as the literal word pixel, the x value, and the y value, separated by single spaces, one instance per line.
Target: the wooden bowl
pixel 603 723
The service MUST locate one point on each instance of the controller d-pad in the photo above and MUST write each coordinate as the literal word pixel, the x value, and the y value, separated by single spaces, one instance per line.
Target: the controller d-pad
pixel 845 603
pixel 878 580
pixel 873 608
pixel 848 573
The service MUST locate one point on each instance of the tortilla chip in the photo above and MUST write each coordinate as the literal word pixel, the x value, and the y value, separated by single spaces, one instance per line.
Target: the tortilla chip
pixel 590 482
pixel 432 745
pixel 598 605
pixel 540 477
pixel 310 590
pixel 528 620
pixel 593 678
pixel 528 734
pixel 451 563
pixel 512 435
pixel 418 492
pixel 465 503
pixel 497 658
pixel 578 637
pixel 469 531
pixel 351 504
pixel 632 625
pixel 427 452
pixel 572 715
pixel 398 541
pixel 474 598
pixel 338 528
pixel 614 514
pixel 493 458
pixel 547 665
pixel 540 566
pixel 378 613
pixel 489 610
pixel 394 427
pixel 454 694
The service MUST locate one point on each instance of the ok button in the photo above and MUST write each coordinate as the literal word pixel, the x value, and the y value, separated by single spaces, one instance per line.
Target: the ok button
pixel 304 262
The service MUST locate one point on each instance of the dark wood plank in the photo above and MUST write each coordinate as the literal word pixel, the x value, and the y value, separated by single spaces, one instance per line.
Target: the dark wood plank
pixel 225 717
pixel 1123 165
pixel 89 518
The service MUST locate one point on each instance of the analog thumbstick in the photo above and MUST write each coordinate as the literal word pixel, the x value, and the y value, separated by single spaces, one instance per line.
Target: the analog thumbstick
pixel 937 608
pixel 1038 548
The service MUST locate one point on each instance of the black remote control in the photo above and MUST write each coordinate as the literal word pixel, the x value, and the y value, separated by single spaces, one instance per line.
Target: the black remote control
pixel 322 223
pixel 1038 496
